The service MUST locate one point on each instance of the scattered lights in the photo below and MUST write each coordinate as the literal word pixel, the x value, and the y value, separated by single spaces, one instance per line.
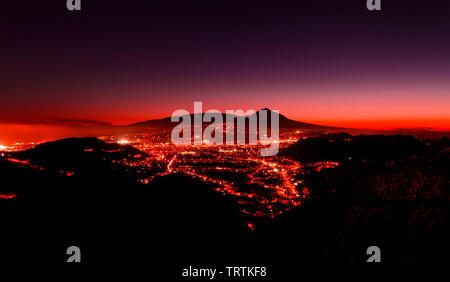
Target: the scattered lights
pixel 251 225
pixel 273 182
pixel 20 146
pixel 19 161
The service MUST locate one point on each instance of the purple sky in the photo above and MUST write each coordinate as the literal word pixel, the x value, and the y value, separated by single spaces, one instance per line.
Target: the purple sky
pixel 323 61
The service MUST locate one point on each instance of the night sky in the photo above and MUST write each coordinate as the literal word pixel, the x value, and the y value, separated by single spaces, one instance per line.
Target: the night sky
pixel 328 62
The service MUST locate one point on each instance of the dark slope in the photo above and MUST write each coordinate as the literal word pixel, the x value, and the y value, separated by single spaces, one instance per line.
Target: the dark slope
pixel 180 221
pixel 85 159
pixel 342 146
pixel 101 207
pixel 387 191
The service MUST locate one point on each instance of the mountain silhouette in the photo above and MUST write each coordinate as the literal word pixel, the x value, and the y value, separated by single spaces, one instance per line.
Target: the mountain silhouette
pixel 284 122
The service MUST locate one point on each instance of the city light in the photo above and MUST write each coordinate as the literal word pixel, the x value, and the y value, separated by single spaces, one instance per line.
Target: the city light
pixel 272 186
pixel 227 168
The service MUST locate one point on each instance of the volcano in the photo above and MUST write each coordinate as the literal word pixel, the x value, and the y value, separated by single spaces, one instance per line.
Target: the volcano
pixel 285 123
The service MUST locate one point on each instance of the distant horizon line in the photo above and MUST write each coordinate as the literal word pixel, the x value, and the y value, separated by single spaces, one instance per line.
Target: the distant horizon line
pixel 388 124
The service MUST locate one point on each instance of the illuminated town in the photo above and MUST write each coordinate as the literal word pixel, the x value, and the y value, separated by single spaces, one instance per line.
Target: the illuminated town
pixel 263 186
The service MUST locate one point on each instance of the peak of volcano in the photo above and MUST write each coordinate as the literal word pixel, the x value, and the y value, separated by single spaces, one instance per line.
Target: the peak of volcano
pixel 285 122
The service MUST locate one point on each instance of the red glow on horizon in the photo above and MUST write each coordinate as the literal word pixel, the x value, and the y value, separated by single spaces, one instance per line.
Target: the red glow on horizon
pixel 11 134
pixel 8 196
pixel 369 111
pixel 388 124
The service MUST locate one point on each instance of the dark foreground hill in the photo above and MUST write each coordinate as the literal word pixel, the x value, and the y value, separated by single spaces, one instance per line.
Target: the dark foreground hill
pixel 75 192
pixel 343 146
pixel 85 159
pixel 387 191
pixel 399 204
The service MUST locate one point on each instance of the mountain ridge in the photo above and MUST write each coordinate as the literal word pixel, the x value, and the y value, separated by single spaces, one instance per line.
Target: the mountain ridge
pixel 284 121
